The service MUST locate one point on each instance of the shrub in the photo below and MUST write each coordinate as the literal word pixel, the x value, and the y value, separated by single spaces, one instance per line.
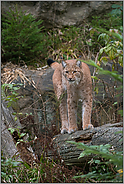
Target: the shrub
pixel 111 52
pixel 21 36
pixel 112 20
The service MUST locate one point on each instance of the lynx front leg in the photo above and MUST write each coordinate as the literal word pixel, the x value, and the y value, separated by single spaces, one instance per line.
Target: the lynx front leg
pixel 86 114
pixel 61 96
pixel 63 110
pixel 63 115
pixel 72 114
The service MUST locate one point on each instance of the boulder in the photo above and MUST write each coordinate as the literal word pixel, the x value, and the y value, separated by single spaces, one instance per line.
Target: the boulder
pixel 61 13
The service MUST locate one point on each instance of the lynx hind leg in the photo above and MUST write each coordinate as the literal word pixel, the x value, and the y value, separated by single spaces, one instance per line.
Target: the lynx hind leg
pixel 86 115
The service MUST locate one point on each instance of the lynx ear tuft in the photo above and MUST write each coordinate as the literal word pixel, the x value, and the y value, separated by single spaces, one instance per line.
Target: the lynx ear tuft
pixel 64 64
pixel 78 63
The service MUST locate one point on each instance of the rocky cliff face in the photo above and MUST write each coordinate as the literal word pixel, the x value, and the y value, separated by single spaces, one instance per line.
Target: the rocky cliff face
pixel 61 13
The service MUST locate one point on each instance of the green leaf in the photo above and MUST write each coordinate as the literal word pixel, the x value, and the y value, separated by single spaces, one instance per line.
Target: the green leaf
pixel 89 175
pixel 89 42
pixel 9 104
pixel 104 60
pixel 20 113
pixel 9 86
pixel 82 155
pixel 94 77
pixel 3 174
pixel 120 112
pixel 15 118
pixel 14 113
pixel 105 72
pixel 11 130
pixel 97 161
pixel 22 135
pixel 16 88
pixel 115 103
pixel 26 165
pixel 105 37
pixel 116 6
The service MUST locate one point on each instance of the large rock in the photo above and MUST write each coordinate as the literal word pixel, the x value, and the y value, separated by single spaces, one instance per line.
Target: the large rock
pixel 40 101
pixel 7 121
pixel 61 13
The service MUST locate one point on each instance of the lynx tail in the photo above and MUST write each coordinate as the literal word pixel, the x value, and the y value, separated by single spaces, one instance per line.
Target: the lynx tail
pixel 50 61
pixel 52 64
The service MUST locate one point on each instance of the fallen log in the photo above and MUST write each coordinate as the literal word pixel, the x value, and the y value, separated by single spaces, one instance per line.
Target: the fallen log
pixel 106 134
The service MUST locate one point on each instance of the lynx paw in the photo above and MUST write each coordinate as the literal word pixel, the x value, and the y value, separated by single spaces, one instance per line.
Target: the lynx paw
pixel 70 131
pixel 88 126
pixel 64 130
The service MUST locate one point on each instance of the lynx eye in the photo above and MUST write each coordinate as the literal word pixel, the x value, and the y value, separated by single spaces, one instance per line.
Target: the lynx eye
pixel 74 71
pixel 66 71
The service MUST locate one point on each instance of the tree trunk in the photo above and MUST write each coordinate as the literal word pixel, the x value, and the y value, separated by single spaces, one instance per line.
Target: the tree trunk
pixel 105 134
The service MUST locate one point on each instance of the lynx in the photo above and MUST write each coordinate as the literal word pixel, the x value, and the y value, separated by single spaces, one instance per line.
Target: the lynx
pixel 73 78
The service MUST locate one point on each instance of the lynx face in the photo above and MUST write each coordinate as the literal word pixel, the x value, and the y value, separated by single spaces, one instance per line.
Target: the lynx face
pixel 72 71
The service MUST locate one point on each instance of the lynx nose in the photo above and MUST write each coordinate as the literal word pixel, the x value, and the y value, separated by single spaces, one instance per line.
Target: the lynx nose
pixel 70 79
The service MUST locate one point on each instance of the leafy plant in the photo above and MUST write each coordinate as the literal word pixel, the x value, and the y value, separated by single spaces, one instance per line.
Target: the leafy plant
pixel 13 95
pixel 113 47
pixel 22 40
pixel 112 20
pixel 100 70
pixel 111 52
pixel 117 13
pixel 8 167
pixel 101 170
pixel 19 134
pixel 47 171
pixel 109 20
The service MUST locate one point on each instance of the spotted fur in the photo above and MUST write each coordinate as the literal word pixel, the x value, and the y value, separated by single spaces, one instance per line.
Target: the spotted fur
pixel 73 77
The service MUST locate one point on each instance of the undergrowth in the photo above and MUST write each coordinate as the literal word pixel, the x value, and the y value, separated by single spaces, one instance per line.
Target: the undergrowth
pixel 107 164
pixel 46 170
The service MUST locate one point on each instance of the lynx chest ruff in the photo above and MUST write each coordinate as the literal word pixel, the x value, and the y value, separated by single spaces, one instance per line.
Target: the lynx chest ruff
pixel 72 77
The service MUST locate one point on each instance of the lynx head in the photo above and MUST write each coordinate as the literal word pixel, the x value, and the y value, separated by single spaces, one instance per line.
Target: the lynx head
pixel 72 70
